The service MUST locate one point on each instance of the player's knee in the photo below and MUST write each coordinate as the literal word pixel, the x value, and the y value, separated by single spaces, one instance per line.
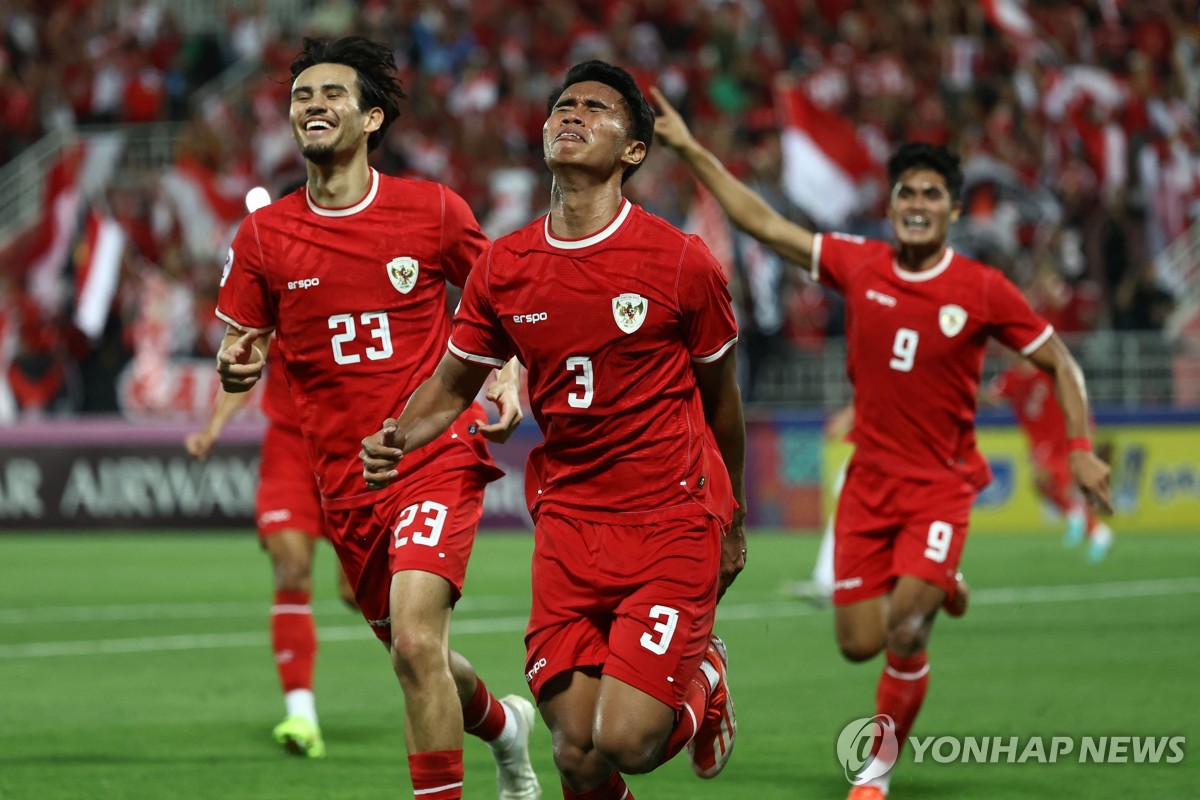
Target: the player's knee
pixel 416 652
pixel 859 646
pixel 907 638
pixel 293 576
pixel 575 762
pixel 629 751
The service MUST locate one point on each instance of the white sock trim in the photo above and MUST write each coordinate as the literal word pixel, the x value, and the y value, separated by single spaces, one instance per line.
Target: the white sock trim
pixel 908 676
pixel 508 734
pixel 291 608
pixel 436 789
pixel 695 724
pixel 301 703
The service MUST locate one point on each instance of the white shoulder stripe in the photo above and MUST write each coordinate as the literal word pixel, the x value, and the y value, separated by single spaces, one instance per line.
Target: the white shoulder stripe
pixel 1042 338
pixel 465 356
pixel 814 269
pixel 240 326
pixel 717 355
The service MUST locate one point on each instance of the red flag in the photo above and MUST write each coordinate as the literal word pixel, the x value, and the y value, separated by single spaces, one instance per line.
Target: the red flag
pixel 827 169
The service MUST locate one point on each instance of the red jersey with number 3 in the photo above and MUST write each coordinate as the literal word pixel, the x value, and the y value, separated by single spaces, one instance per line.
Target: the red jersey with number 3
pixel 916 342
pixel 357 296
pixel 608 327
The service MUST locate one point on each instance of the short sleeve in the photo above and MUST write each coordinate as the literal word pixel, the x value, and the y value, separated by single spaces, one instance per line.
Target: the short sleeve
pixel 462 240
pixel 709 326
pixel 837 256
pixel 477 335
pixel 245 300
pixel 1011 319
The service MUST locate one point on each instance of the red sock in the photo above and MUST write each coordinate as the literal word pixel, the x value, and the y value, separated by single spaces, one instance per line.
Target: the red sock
pixel 437 775
pixel 687 721
pixel 902 690
pixel 294 639
pixel 483 715
pixel 612 789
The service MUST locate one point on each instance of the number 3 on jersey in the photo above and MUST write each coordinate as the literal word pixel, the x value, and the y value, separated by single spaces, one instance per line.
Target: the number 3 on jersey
pixel 904 350
pixel 582 365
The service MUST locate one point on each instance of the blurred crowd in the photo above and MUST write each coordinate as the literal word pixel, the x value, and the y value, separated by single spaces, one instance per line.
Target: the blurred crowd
pixel 1077 125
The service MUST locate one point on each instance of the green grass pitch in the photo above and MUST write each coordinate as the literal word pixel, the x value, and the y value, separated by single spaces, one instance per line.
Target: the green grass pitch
pixel 138 666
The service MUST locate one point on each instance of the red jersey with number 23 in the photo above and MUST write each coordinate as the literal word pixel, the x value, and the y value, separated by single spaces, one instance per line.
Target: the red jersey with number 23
pixel 358 298
pixel 608 328
pixel 915 349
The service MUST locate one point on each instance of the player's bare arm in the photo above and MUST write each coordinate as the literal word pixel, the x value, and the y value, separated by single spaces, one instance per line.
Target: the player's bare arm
pixel 199 443
pixel 1090 472
pixel 241 360
pixel 723 411
pixel 431 409
pixel 743 206
pixel 505 393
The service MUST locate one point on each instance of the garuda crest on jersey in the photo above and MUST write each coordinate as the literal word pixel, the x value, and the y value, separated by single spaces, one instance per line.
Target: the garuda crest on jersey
pixel 951 319
pixel 403 273
pixel 629 310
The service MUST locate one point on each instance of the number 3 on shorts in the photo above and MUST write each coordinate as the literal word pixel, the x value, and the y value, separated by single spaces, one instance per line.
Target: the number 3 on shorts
pixel 937 547
pixel 667 618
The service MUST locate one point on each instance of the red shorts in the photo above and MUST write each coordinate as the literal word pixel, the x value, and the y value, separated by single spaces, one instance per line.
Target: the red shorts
pixel 427 524
pixel 887 526
pixel 637 600
pixel 287 498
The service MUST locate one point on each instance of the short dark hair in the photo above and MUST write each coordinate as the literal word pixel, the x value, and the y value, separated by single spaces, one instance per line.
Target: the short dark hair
pixel 921 155
pixel 375 66
pixel 640 112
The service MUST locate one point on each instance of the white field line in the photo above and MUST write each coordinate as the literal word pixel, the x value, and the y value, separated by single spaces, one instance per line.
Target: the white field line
pixel 728 612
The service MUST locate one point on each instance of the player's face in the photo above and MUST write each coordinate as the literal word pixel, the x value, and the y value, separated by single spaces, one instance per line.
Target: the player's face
pixel 325 113
pixel 921 209
pixel 589 127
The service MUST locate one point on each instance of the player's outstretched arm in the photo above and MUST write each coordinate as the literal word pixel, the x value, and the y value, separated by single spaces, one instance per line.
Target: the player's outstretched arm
pixel 505 393
pixel 1090 472
pixel 745 208
pixel 723 411
pixel 241 360
pixel 199 444
pixel 431 409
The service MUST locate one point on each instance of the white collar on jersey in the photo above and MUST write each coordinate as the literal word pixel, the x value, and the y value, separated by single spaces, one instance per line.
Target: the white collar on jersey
pixel 924 275
pixel 605 232
pixel 348 210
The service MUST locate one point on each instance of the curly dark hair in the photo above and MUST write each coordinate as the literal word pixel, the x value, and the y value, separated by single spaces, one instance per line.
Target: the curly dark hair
pixel 375 65
pixel 912 155
pixel 640 112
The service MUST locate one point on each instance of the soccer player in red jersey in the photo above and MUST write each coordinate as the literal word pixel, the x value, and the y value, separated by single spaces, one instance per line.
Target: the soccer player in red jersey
pixel 289 520
pixel 351 271
pixel 627 331
pixel 1029 392
pixel 918 319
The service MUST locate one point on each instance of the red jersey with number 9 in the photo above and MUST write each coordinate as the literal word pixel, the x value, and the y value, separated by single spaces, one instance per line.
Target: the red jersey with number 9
pixel 357 296
pixel 609 328
pixel 915 347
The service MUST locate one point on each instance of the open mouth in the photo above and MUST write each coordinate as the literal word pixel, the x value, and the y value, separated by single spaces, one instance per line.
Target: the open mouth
pixel 917 222
pixel 318 126
pixel 568 135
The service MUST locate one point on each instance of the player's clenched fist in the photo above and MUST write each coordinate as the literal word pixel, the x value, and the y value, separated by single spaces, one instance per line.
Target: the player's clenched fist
pixel 381 452
pixel 240 363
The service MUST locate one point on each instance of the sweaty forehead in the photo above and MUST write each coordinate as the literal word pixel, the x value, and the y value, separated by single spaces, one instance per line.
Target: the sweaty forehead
pixel 324 74
pixel 921 179
pixel 593 90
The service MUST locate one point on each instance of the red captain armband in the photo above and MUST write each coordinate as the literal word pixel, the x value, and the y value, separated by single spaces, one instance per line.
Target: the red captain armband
pixel 1079 443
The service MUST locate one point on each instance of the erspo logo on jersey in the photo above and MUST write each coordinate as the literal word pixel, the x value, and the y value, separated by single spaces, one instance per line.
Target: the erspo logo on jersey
pixel 304 283
pixel 531 319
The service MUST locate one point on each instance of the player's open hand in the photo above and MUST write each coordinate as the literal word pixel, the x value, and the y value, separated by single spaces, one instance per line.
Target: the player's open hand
pixel 1092 475
pixel 506 395
pixel 240 364
pixel 669 127
pixel 200 443
pixel 733 553
pixel 381 452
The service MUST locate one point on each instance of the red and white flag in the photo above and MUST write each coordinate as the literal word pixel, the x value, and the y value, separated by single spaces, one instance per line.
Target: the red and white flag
pixel 97 273
pixel 828 172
